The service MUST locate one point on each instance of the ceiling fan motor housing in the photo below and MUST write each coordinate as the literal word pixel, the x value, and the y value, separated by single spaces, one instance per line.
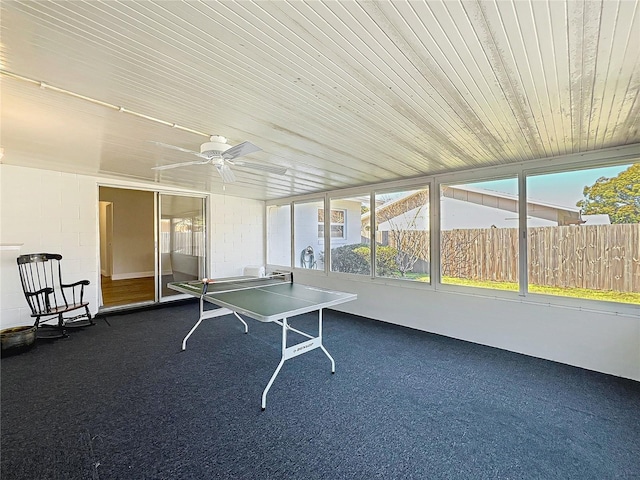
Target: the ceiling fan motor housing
pixel 215 147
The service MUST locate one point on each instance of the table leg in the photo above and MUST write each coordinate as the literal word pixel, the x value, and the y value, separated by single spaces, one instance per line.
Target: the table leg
pixel 333 363
pixel 298 349
pixel 204 314
pixel 275 374
pixel 246 328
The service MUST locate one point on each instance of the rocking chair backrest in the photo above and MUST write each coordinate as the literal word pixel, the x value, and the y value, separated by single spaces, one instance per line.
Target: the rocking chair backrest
pixel 41 280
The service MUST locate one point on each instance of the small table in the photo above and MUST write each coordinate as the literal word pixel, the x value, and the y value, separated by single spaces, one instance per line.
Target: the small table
pixel 274 298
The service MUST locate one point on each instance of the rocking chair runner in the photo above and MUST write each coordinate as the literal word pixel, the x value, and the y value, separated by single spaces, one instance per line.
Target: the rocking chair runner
pixel 49 298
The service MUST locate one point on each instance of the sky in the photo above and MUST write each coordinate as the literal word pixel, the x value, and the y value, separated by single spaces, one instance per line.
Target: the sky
pixel 562 189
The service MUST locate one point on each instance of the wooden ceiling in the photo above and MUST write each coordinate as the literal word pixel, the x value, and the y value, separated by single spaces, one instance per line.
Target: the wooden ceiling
pixel 341 93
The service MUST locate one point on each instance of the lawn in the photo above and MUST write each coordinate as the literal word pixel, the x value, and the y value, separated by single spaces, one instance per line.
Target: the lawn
pixel 604 295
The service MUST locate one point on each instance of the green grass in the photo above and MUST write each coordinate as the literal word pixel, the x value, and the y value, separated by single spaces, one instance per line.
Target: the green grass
pixel 603 295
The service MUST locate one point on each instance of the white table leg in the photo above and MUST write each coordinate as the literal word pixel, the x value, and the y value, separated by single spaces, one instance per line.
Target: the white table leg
pixel 204 314
pixel 333 363
pixel 295 350
pixel 275 374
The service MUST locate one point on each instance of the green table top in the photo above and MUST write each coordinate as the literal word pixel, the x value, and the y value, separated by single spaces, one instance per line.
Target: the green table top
pixel 266 302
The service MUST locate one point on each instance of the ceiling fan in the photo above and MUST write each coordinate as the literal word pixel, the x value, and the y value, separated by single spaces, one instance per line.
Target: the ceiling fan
pixel 223 156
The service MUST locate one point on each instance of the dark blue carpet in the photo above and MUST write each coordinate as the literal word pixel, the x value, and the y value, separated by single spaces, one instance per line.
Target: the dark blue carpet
pixel 120 401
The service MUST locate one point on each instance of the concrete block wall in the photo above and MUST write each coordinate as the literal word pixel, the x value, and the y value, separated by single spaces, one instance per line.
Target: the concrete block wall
pixel 237 235
pixel 44 211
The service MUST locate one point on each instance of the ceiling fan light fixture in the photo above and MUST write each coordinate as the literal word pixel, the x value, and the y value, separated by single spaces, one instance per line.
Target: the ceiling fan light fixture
pixel 215 147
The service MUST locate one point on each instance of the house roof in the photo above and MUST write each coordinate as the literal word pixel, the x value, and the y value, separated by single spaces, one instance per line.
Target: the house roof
pixel 488 198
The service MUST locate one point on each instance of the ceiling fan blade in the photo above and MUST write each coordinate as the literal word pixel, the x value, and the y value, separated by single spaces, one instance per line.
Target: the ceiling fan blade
pixel 226 173
pixel 260 166
pixel 173 147
pixel 183 164
pixel 239 150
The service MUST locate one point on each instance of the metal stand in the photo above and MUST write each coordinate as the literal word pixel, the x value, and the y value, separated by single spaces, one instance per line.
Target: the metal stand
pixel 297 349
pixel 204 314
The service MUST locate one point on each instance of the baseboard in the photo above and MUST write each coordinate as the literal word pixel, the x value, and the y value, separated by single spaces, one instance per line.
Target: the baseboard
pixel 127 276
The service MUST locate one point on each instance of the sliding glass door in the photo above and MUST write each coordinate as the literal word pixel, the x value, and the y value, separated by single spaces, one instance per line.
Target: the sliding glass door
pixel 181 240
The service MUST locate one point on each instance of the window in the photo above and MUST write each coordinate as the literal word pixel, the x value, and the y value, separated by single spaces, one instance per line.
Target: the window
pixel 337 223
pixel 307 250
pixel 279 235
pixel 479 234
pixel 582 237
pixel 402 234
pixel 584 234
pixel 349 238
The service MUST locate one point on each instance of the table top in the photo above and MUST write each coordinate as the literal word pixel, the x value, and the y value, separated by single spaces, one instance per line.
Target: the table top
pixel 262 299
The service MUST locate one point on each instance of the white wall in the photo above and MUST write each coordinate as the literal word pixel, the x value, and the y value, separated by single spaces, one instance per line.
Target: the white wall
pixel 58 212
pixel 236 235
pixel 603 342
pixel 48 212
pixel 279 235
pixel 353 226
pixel 306 230
pixel 306 225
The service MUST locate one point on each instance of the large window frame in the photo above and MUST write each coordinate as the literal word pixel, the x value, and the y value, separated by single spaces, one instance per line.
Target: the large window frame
pixel 611 157
pixel 481 216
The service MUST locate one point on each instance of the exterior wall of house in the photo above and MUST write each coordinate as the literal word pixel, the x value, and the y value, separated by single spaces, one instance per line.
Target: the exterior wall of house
pixel 44 211
pixel 353 215
pixel 306 233
pixel 306 225
pixel 279 235
pixel 236 235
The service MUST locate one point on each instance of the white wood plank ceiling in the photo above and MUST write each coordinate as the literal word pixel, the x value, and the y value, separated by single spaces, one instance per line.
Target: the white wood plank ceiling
pixel 342 93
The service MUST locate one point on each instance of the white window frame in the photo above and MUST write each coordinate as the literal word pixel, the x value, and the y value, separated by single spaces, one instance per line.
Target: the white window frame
pixel 344 224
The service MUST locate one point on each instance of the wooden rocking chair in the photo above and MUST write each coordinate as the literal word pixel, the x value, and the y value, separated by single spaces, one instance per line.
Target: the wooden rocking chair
pixel 49 298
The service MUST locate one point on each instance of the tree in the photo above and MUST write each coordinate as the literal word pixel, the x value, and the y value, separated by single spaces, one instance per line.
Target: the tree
pixel 618 197
pixel 402 218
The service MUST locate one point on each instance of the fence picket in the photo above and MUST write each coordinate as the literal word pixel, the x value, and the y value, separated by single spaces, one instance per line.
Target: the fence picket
pixel 597 257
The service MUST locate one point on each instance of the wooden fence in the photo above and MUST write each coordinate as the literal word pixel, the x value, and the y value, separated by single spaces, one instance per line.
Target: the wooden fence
pixel 596 257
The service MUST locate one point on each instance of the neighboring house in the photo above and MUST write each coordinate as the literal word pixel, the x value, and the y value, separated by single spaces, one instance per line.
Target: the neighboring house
pixel 309 221
pixel 462 208
pixel 469 207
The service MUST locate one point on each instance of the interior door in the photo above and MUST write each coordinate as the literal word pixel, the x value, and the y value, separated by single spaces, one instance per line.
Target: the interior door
pixel 182 240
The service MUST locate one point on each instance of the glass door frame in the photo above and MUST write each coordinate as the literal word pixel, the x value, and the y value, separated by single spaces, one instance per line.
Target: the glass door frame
pixel 202 263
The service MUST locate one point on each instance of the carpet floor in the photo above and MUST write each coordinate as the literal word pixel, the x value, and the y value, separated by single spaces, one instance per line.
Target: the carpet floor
pixel 119 400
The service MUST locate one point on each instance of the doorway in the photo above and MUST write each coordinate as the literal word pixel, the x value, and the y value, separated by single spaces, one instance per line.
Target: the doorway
pixel 127 257
pixel 148 239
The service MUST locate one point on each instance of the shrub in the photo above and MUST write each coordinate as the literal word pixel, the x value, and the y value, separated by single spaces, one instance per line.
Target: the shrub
pixel 355 258
pixel 351 259
pixel 386 262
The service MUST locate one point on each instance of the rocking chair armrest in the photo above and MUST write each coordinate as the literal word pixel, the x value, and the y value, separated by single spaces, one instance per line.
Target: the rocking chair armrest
pixel 46 291
pixel 69 285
